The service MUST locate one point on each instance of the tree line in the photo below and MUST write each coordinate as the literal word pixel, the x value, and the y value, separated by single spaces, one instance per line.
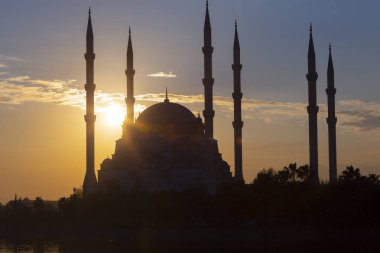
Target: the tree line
pixel 276 198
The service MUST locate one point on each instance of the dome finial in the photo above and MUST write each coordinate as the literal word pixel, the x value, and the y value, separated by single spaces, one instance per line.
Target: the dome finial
pixel 311 27
pixel 206 3
pixel 166 95
pixel 89 10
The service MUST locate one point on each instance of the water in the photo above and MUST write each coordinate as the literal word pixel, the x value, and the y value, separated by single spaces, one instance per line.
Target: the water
pixel 195 240
pixel 104 247
pixel 108 246
pixel 29 247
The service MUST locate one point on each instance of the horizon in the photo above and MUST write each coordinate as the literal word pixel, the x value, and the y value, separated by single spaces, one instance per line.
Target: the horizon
pixel 42 76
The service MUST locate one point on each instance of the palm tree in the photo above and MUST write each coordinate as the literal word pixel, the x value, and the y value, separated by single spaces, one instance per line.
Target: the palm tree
pixel 373 179
pixel 292 172
pixel 303 172
pixel 350 175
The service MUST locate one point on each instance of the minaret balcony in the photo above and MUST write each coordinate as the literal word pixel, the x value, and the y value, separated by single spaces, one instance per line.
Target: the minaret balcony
pixel 237 67
pixel 90 118
pixel 89 56
pixel 130 100
pixel 237 95
pixel 208 113
pixel 312 109
pixel 207 50
pixel 330 91
pixel 89 87
pixel 312 76
pixel 208 81
pixel 238 124
pixel 130 72
pixel 331 120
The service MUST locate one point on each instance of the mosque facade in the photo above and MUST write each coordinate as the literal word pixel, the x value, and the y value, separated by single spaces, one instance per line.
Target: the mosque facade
pixel 167 147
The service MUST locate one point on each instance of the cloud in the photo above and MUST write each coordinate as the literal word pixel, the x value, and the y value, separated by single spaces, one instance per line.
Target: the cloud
pixel 363 116
pixel 24 89
pixel 7 58
pixel 17 79
pixel 353 114
pixel 364 124
pixel 10 58
pixel 163 75
pixel 258 108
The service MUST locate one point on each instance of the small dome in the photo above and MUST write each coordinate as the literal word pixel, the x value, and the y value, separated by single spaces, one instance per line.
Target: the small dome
pixel 107 163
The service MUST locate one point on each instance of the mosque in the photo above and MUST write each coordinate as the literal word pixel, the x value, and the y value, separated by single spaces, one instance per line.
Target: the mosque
pixel 167 147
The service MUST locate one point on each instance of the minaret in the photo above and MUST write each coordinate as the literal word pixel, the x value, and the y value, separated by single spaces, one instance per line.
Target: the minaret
pixel 90 183
pixel 237 123
pixel 208 81
pixel 130 99
pixel 331 119
pixel 312 110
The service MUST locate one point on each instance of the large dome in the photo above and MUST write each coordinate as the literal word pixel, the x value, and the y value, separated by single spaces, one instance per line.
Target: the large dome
pixel 166 112
pixel 167 118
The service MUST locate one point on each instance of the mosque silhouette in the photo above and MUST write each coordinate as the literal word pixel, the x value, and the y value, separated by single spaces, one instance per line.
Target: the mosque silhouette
pixel 168 148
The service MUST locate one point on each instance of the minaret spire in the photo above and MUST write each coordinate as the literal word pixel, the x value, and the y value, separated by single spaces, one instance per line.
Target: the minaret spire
pixel 129 72
pixel 89 35
pixel 166 95
pixel 311 52
pixel 331 119
pixel 312 110
pixel 90 182
pixel 237 96
pixel 208 80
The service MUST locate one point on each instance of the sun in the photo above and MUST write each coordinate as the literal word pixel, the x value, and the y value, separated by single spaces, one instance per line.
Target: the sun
pixel 114 115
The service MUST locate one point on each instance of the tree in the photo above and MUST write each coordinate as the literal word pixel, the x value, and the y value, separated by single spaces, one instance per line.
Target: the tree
pixel 350 175
pixel 303 172
pixel 283 175
pixel 373 179
pixel 62 203
pixel 78 192
pixel 288 174
pixel 265 177
pixel 292 171
pixel 39 204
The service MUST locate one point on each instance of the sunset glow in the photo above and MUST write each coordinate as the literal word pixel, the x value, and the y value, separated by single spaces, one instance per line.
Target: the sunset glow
pixel 114 115
pixel 204 125
pixel 43 72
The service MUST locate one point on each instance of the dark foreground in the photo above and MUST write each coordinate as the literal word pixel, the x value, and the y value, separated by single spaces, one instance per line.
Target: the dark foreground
pixel 193 240
pixel 281 211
